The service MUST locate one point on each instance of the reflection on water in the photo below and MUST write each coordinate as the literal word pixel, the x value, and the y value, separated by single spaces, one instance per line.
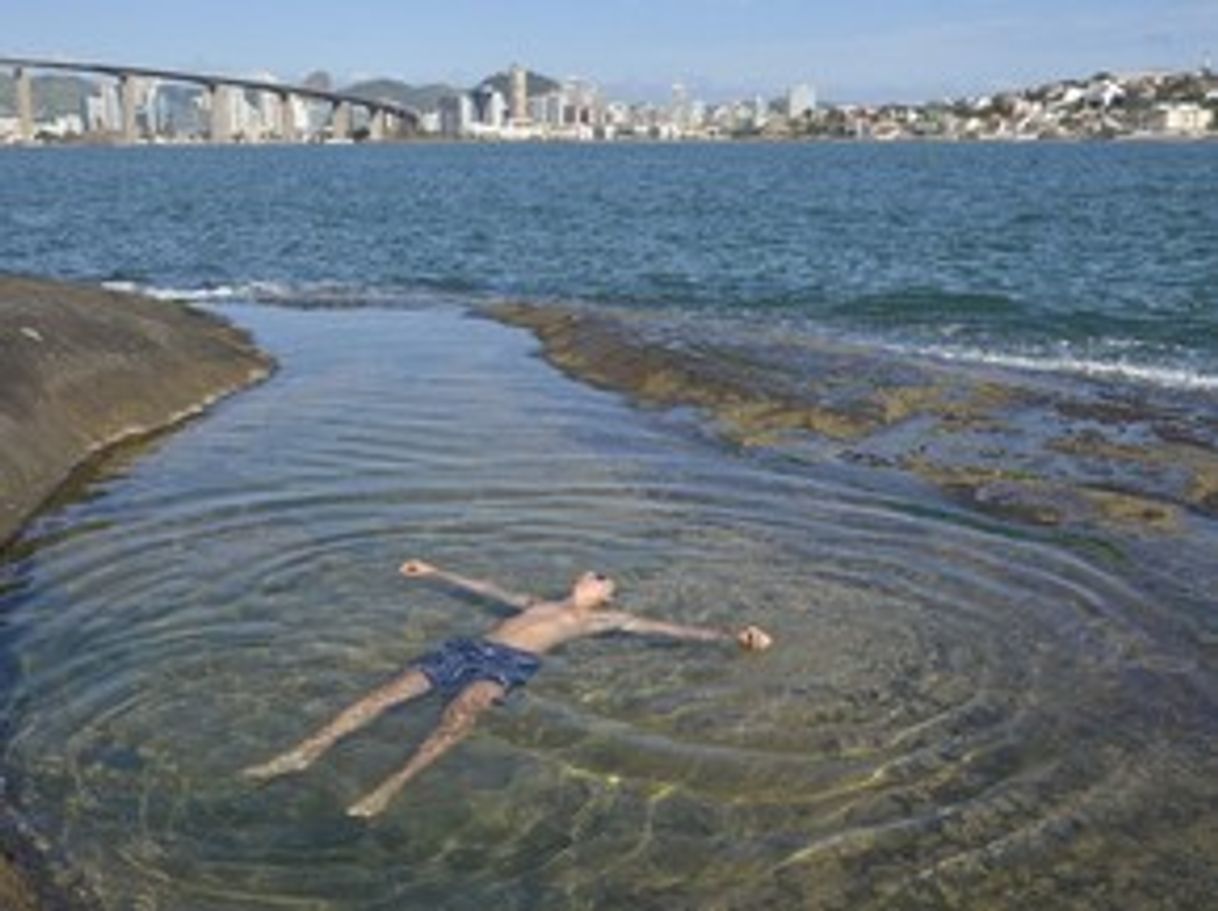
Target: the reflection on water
pixel 955 715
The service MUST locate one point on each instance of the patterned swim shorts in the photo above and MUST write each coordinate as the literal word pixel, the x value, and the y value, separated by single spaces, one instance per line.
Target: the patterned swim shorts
pixel 460 662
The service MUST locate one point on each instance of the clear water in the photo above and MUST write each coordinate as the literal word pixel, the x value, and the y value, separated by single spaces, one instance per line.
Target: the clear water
pixel 961 710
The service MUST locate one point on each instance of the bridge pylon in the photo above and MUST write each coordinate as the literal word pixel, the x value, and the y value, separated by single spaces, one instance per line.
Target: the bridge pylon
pixel 127 90
pixel 287 118
pixel 221 127
pixel 340 121
pixel 25 104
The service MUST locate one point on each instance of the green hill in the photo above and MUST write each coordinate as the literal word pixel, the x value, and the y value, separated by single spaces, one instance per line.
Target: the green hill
pixel 53 95
pixel 421 97
pixel 537 83
pixel 427 97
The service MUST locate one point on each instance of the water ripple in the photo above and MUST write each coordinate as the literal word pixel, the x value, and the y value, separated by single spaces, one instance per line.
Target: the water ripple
pixel 949 706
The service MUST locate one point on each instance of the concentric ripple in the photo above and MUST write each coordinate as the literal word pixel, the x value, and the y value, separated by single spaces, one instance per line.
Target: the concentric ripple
pixel 954 714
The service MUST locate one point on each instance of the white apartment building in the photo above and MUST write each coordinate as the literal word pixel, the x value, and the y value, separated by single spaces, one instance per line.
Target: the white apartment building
pixel 102 112
pixel 243 118
pixel 490 108
pixel 1181 119
pixel 456 115
pixel 801 100
pixel 548 110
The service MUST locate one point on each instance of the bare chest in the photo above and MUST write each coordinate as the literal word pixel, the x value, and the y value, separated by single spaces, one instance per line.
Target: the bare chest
pixel 541 628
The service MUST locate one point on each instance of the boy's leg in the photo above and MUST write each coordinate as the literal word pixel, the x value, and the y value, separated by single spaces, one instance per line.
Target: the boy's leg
pixel 458 720
pixel 406 686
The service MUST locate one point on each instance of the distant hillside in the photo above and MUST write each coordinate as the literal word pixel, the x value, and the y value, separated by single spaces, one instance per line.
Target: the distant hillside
pixel 319 79
pixel 54 95
pixel 421 97
pixel 537 83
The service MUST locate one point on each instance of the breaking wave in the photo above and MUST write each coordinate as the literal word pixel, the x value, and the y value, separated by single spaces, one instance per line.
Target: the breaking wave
pixel 1167 376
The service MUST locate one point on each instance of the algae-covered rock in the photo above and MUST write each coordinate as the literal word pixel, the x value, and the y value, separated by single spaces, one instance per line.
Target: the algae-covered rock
pixel 1016 446
pixel 15 892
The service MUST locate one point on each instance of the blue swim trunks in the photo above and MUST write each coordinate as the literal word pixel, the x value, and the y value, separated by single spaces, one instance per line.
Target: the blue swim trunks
pixel 460 662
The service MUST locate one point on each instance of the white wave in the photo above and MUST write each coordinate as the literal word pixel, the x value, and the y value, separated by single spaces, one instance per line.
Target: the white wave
pixel 218 292
pixel 269 291
pixel 318 294
pixel 1171 377
pixel 323 293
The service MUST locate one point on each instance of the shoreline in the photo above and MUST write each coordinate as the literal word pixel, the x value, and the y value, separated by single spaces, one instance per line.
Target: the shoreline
pixel 84 370
pixel 634 142
pixel 1062 462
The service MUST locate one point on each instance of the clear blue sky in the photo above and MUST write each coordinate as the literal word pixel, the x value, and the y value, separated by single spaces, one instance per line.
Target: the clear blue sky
pixel 852 50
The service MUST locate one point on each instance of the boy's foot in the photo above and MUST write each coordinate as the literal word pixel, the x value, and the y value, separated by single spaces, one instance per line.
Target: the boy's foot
pixel 368 807
pixel 281 765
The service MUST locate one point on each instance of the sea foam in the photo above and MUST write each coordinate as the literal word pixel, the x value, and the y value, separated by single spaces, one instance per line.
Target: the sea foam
pixel 1162 375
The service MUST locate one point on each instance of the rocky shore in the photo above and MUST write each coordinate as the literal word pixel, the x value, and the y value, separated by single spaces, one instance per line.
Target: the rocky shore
pixel 1024 448
pixel 81 370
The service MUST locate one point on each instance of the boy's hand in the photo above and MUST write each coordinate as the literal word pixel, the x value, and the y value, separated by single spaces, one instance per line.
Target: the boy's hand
pixel 416 568
pixel 754 639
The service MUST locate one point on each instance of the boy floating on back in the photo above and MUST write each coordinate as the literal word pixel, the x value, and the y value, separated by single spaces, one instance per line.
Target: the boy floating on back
pixel 477 673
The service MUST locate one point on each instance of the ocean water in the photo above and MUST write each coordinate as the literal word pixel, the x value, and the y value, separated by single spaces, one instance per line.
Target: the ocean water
pixel 942 418
pixel 1090 253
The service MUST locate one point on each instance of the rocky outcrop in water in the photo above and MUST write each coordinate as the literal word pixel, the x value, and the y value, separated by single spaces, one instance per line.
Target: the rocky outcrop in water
pixel 82 369
pixel 1030 449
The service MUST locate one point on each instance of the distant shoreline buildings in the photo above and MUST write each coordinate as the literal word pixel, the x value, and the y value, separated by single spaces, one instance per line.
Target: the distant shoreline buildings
pixel 519 105
pixel 166 112
pixel 577 110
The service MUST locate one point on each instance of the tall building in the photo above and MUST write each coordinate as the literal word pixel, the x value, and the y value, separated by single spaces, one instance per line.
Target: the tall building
pixel 547 110
pixel 490 107
pixel 312 116
pixel 268 107
pixel 300 114
pixel 801 100
pixel 678 112
pixel 496 112
pixel 161 113
pixel 154 110
pixel 761 111
pixel 583 102
pixel 456 114
pixel 103 113
pixel 244 119
pixel 519 90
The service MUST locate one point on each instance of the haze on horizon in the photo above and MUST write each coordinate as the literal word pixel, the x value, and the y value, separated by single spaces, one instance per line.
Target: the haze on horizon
pixel 866 51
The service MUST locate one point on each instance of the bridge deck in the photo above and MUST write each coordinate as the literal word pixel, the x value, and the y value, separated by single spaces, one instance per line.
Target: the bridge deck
pixel 210 80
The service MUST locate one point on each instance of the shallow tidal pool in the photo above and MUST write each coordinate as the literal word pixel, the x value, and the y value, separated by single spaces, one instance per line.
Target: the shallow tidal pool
pixel 956 713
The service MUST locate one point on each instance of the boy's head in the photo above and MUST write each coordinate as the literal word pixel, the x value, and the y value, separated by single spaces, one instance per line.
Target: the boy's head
pixel 592 590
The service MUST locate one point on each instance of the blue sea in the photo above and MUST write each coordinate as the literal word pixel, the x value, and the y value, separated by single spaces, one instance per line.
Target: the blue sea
pixel 1072 257
pixel 943 418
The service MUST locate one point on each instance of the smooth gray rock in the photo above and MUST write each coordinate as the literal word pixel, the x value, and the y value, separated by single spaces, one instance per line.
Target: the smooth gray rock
pixel 83 368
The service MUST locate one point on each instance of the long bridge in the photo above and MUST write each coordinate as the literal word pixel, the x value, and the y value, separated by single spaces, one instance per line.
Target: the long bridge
pixel 385 118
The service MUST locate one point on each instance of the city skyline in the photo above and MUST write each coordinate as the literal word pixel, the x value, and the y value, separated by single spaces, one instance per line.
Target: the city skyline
pixel 902 51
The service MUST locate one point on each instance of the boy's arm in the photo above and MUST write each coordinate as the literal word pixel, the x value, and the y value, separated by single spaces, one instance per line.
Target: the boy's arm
pixel 417 569
pixel 750 638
